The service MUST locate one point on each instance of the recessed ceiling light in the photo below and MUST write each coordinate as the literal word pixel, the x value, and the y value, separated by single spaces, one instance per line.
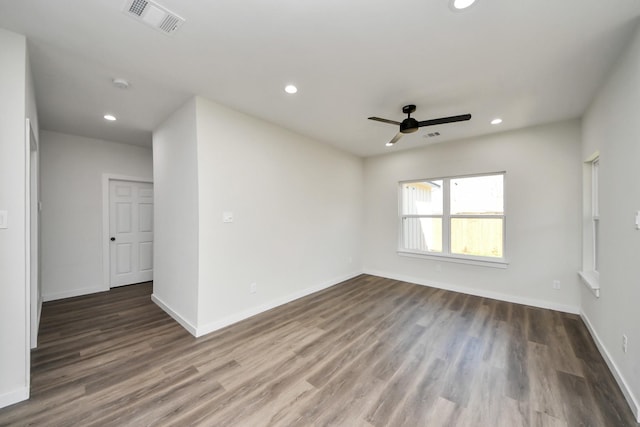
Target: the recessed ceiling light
pixel 110 117
pixel 496 121
pixel 290 89
pixel 461 4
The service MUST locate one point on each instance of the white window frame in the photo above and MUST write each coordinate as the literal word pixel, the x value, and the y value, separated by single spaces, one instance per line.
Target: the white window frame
pixel 446 218
pixel 591 262
pixel 595 213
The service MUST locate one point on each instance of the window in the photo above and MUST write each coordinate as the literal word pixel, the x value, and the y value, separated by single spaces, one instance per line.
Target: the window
pixel 457 217
pixel 595 212
pixel 591 258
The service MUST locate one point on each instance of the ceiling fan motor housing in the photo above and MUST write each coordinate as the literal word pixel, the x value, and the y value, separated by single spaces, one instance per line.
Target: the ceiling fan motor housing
pixel 409 125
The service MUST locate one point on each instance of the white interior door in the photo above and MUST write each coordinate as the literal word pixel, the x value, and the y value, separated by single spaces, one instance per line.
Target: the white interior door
pixel 131 232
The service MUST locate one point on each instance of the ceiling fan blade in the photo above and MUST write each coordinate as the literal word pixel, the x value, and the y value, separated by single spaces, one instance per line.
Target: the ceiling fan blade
pixel 444 120
pixel 391 122
pixel 395 139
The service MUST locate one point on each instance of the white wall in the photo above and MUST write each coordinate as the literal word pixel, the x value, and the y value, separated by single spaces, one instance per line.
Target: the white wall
pixel 542 198
pixel 611 126
pixel 32 112
pixel 175 249
pixel 297 207
pixel 14 322
pixel 72 208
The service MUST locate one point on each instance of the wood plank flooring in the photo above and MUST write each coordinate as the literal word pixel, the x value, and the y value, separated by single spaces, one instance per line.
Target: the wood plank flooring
pixel 368 352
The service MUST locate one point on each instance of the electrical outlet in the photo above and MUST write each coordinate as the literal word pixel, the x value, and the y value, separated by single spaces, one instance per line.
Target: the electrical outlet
pixel 556 284
pixel 625 342
pixel 253 288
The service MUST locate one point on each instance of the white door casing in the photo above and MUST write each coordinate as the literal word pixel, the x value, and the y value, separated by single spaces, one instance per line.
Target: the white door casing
pixel 33 224
pixel 130 232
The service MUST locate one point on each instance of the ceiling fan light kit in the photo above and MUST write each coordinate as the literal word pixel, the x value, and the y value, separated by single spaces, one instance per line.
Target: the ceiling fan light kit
pixel 410 125
pixel 458 5
pixel 120 83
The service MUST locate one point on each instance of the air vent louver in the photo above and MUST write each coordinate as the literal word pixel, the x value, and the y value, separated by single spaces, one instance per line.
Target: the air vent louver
pixel 154 15
pixel 137 7
pixel 169 23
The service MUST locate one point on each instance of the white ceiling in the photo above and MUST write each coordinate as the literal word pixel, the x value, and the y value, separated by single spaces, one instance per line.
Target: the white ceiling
pixel 527 61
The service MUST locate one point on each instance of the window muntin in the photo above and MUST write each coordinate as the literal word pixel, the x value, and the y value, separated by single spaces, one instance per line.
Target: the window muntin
pixel 454 216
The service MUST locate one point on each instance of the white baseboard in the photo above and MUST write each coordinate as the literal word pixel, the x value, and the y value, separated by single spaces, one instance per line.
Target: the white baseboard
pixel 14 396
pixel 73 293
pixel 237 317
pixel 177 317
pixel 628 394
pixel 478 292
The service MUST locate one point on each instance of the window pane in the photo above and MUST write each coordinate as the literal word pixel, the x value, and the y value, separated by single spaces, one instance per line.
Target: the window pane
pixel 477 236
pixel 595 172
pixel 480 195
pixel 422 234
pixel 422 198
pixel 596 245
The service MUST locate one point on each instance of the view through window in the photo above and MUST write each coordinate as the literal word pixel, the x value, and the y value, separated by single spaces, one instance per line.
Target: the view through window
pixel 595 212
pixel 454 216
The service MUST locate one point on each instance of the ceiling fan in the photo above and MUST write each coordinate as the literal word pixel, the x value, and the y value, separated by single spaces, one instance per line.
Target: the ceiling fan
pixel 410 125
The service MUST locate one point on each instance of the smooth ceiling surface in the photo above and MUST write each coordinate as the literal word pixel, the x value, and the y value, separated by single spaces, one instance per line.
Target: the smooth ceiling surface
pixel 526 61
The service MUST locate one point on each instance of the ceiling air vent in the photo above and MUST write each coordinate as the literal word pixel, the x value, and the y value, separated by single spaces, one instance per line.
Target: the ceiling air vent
pixel 431 134
pixel 153 14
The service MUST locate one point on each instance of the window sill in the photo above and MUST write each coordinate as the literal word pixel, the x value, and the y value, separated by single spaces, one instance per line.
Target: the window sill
pixel 591 280
pixel 483 262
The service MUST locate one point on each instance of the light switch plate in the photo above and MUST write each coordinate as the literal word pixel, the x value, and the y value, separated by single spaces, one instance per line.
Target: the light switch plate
pixel 4 219
pixel 227 216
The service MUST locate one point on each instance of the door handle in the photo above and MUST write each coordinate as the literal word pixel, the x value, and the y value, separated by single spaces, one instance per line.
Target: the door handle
pixel 113 239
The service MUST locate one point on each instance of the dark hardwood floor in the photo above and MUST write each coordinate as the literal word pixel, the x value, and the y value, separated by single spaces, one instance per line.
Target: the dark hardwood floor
pixel 368 352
